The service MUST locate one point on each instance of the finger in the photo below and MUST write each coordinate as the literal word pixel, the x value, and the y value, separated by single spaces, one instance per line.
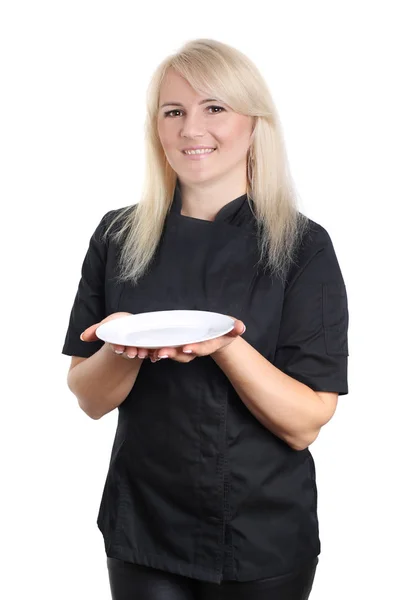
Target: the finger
pixel 238 329
pixel 242 327
pixel 142 352
pixel 153 355
pixel 202 348
pixel 184 358
pixel 89 334
pixel 131 352
pixel 163 353
pixel 118 349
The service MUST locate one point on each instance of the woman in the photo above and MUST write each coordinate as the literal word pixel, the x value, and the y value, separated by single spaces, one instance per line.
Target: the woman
pixel 211 486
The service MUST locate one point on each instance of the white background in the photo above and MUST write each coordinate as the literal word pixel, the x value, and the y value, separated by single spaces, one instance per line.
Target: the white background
pixel 73 77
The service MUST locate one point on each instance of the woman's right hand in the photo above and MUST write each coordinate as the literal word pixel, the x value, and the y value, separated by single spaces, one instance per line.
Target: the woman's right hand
pixel 89 335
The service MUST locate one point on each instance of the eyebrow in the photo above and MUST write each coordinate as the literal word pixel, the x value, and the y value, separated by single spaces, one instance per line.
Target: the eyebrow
pixel 179 104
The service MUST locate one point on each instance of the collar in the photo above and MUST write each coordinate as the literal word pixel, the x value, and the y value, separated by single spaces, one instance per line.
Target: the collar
pixel 229 213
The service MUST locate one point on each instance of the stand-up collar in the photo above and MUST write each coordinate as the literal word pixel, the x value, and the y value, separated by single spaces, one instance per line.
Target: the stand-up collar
pixel 233 212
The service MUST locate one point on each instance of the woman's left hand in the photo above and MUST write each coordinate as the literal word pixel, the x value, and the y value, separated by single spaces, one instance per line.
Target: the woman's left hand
pixel 207 348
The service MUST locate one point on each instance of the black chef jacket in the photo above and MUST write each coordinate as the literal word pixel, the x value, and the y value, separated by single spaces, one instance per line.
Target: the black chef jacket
pixel 196 484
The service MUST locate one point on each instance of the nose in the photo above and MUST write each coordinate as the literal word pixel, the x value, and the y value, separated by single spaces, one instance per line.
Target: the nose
pixel 192 126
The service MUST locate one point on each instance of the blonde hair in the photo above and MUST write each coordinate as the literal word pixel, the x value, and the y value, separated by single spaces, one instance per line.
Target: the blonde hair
pixel 221 71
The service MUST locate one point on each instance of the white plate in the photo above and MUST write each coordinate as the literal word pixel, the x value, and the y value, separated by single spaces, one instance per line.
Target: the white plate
pixel 165 328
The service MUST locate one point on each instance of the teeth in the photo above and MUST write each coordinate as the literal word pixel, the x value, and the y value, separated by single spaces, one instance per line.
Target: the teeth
pixel 201 151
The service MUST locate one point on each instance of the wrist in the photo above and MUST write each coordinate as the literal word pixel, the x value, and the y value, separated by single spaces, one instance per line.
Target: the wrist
pixel 224 350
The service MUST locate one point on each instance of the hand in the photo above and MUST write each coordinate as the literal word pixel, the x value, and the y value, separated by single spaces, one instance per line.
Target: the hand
pixel 208 348
pixel 180 354
pixel 89 335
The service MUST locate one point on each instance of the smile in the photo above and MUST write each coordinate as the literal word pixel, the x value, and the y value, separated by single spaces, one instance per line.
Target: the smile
pixel 200 151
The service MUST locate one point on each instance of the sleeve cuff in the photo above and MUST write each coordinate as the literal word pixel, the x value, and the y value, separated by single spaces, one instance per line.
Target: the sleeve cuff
pixel 323 384
pixel 82 349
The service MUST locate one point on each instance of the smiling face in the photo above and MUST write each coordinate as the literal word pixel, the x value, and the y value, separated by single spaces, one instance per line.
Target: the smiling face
pixel 189 120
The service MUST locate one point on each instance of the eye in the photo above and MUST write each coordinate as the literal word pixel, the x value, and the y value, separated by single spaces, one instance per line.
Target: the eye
pixel 218 107
pixel 177 110
pixel 168 113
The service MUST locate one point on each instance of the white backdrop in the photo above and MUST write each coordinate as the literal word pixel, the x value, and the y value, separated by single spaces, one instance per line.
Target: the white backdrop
pixel 74 76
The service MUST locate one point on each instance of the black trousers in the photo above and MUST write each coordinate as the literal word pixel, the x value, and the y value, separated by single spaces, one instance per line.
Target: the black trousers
pixel 135 582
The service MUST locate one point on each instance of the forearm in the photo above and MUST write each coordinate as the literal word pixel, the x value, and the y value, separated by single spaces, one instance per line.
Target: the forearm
pixel 288 408
pixel 103 381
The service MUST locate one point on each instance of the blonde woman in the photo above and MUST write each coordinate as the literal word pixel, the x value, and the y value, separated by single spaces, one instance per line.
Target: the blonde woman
pixel 211 487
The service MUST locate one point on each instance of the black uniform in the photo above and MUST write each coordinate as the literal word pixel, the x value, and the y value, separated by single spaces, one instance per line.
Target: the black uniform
pixel 196 484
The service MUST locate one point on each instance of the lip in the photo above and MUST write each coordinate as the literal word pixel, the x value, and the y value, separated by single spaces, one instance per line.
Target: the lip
pixel 198 148
pixel 199 156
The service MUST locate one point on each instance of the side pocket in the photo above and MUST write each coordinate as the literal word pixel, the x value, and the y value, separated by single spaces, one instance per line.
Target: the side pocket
pixel 335 318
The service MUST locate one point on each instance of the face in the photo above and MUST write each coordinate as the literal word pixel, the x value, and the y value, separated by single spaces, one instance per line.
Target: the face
pixel 197 122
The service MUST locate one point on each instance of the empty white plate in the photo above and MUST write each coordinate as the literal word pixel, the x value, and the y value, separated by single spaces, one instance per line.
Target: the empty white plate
pixel 165 328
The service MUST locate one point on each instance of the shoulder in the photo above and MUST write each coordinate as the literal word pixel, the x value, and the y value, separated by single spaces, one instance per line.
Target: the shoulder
pixel 315 238
pixel 111 222
pixel 315 258
pixel 117 214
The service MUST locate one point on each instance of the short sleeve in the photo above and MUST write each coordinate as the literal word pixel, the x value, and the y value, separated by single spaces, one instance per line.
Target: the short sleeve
pixel 89 304
pixel 313 344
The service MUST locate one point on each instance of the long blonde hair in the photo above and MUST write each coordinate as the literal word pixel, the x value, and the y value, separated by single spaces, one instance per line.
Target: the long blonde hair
pixel 221 71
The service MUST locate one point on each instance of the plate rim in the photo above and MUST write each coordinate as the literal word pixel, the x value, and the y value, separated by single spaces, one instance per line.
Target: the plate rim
pixel 224 330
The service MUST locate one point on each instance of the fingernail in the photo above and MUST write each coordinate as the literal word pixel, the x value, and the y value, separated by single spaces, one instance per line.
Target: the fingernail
pixel 164 356
pixel 187 351
pixel 81 336
pixel 119 352
pixel 243 330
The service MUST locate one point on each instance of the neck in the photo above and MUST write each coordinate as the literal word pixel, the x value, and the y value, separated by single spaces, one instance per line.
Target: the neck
pixel 204 201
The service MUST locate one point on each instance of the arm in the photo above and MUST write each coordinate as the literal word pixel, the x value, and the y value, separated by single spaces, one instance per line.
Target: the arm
pixel 297 394
pixel 102 381
pixel 288 408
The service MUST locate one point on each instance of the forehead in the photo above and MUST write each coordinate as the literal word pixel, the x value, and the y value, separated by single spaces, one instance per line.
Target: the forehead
pixel 175 87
